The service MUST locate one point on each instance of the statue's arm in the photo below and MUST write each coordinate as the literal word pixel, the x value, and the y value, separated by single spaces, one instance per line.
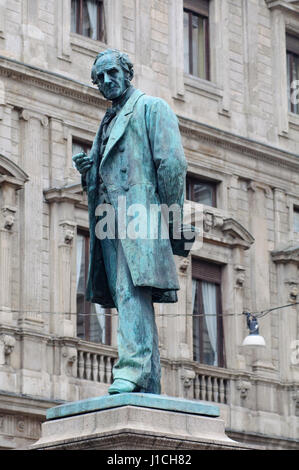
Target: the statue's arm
pixel 167 151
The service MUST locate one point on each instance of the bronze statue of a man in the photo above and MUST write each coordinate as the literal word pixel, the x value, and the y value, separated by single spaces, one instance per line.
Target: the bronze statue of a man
pixel 136 159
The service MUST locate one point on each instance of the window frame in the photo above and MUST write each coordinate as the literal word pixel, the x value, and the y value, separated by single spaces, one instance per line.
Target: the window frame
pixel 191 8
pixel 200 275
pixel 192 179
pixel 87 305
pixel 79 21
pixel 292 52
pixel 86 145
pixel 295 211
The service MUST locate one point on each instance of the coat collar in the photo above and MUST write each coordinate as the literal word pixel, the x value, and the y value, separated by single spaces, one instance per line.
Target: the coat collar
pixel 121 123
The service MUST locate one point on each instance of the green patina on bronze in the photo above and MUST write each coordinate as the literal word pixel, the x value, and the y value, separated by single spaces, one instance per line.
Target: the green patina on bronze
pixel 137 154
pixel 147 400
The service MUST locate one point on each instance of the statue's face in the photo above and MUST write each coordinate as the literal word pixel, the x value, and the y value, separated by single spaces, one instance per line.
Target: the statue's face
pixel 111 78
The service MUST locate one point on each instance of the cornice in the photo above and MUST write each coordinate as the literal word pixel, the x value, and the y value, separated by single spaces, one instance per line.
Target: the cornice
pixel 288 254
pixel 288 5
pixel 63 194
pixel 50 81
pixel 243 145
pixel 64 86
pixel 13 170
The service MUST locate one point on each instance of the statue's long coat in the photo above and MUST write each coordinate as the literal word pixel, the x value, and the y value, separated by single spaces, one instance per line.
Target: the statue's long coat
pixel 143 161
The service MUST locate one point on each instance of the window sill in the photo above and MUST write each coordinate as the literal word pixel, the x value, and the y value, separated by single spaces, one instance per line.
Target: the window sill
pixel 202 87
pixel 86 45
pixel 207 89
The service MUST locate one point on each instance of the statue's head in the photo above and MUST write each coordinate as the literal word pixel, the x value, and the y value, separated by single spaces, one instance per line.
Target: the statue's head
pixel 112 72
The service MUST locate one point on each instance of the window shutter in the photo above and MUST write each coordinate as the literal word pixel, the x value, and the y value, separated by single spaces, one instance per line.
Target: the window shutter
pixel 198 6
pixel 206 271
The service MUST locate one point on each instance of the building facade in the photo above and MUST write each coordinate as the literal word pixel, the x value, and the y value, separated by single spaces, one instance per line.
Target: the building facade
pixel 230 71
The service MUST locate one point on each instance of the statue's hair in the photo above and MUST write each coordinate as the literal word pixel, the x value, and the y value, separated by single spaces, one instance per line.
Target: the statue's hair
pixel 123 60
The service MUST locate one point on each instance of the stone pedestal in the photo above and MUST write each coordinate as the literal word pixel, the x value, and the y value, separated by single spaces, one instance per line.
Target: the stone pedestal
pixel 135 421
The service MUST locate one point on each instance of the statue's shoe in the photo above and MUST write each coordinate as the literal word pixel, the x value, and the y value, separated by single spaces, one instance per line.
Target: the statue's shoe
pixel 123 386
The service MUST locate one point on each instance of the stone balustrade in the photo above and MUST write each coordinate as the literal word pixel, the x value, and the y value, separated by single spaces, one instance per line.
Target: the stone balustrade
pixel 95 365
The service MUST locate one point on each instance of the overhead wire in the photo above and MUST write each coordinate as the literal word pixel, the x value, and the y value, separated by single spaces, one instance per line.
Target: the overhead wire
pixel 258 314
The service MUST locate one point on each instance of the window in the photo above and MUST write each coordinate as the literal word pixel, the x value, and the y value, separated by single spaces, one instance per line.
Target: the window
pixel 79 146
pixel 207 318
pixel 196 38
pixel 88 19
pixel 296 219
pixel 292 43
pixel 201 191
pixel 93 321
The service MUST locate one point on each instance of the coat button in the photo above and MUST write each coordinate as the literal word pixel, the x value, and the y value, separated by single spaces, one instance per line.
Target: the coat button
pixel 126 187
pixel 100 180
pixel 123 170
pixel 121 148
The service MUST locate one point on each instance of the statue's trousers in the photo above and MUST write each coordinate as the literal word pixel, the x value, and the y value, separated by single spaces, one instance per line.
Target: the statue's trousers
pixel 139 359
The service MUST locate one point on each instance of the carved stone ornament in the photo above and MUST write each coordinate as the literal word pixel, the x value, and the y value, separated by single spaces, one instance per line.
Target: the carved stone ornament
pixel 184 265
pixel 7 344
pixel 239 275
pixel 7 218
pixel 69 359
pixel 244 386
pixel 67 232
pixel 293 288
pixel 207 221
pixel 187 377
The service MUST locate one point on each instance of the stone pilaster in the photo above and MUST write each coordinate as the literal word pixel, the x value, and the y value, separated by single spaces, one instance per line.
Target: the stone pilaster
pixel 287 265
pixel 63 230
pixel 32 127
pixel 8 208
pixel 34 41
pixel 2 18
pixel 260 282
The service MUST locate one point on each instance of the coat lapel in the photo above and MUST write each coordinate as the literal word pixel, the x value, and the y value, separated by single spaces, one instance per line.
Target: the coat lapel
pixel 121 123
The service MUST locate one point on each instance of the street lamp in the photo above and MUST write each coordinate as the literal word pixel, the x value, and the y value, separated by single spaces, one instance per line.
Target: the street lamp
pixel 254 338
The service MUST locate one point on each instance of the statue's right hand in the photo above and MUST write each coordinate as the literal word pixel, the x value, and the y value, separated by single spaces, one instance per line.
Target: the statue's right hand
pixel 82 162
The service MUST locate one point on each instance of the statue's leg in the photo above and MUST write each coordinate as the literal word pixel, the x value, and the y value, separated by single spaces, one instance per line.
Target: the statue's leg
pixel 139 360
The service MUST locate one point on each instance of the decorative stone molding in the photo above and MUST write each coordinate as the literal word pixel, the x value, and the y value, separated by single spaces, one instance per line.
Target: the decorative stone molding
pixel 219 138
pixel 207 221
pixel 254 185
pixel 12 173
pixel 220 228
pixel 239 236
pixel 67 232
pixel 51 82
pixel 7 344
pixel 239 275
pixel 64 194
pixel 288 254
pixel 26 115
pixel 212 220
pixel 287 5
pixel 184 265
pixel 7 218
pixel 293 289
pixel 16 425
pixel 243 386
pixel 187 378
pixel 69 360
